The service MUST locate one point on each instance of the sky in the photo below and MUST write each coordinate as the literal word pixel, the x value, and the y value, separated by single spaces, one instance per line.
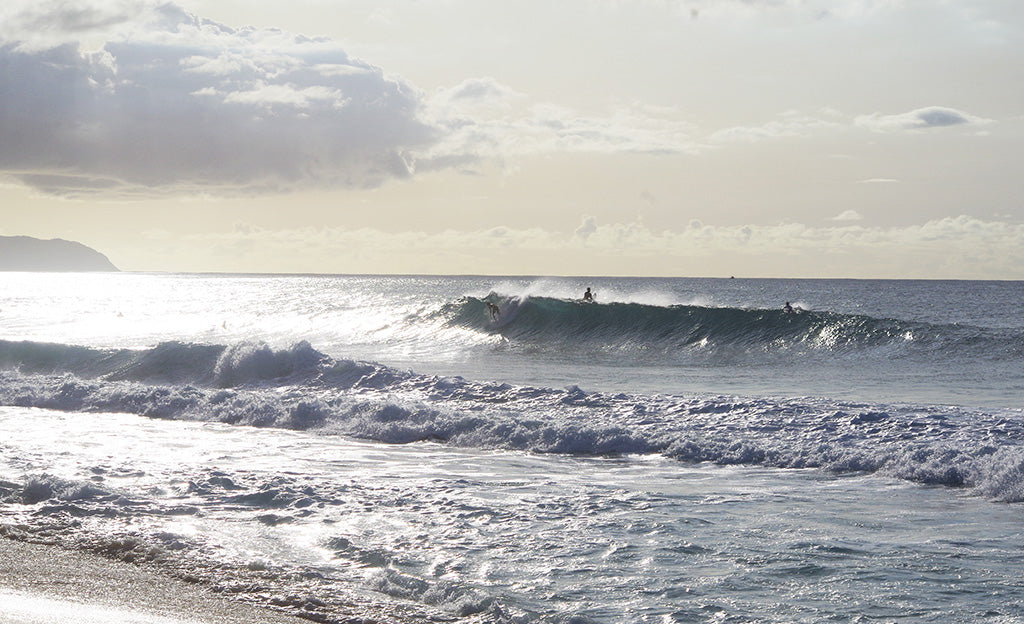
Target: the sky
pixel 753 138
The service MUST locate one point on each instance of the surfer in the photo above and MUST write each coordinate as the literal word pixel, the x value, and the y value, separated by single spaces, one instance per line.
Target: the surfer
pixel 588 296
pixel 788 309
pixel 494 310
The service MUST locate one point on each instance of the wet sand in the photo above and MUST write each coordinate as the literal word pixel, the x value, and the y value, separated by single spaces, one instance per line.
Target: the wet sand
pixel 42 584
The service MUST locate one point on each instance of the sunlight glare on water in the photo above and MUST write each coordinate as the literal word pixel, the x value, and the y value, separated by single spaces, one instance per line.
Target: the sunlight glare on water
pixel 545 533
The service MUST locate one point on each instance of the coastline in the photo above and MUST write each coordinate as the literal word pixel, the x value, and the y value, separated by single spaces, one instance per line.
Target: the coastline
pixel 43 584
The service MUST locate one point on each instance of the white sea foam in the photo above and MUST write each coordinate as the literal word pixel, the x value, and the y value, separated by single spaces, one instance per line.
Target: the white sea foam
pixel 302 389
pixel 329 527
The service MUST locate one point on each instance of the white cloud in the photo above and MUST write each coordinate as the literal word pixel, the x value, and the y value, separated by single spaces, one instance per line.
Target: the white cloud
pixel 169 103
pixel 185 104
pixel 792 124
pixel 919 119
pixel 588 227
pixel 288 95
pixel 847 216
pixel 141 97
pixel 46 23
pixel 797 124
pixel 953 247
pixel 548 128
pixel 476 91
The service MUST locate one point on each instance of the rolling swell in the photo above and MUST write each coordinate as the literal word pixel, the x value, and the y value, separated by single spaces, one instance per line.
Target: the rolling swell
pixel 540 321
pixel 300 388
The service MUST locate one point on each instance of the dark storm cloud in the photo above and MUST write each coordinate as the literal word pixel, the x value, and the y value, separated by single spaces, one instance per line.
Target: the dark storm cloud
pixel 189 104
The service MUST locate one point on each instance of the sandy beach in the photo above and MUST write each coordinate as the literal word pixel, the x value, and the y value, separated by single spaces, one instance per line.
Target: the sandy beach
pixel 42 584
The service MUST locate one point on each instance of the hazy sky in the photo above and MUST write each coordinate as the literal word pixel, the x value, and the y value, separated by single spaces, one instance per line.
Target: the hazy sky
pixel 803 138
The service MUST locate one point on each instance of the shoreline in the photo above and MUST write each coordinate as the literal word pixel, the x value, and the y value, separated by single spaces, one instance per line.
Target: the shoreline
pixel 44 584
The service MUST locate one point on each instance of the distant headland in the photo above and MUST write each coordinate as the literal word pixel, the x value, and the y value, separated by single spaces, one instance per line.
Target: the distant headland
pixel 24 253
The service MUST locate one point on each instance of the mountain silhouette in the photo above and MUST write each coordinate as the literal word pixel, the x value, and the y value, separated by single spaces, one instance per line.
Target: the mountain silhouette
pixel 24 253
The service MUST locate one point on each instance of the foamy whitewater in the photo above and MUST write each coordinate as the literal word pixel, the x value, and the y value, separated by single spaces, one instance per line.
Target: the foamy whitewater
pixel 382 449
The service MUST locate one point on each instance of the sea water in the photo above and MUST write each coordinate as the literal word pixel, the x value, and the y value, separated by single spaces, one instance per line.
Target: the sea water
pixel 679 450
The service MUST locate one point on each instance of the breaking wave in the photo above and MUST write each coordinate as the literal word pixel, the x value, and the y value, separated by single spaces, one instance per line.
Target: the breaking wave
pixel 301 388
pixel 552 324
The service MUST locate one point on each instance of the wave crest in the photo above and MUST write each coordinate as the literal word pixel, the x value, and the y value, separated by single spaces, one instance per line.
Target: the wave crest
pixel 246 363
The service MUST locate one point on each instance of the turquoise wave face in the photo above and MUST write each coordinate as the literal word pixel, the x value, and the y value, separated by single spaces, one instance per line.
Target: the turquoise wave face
pixel 557 324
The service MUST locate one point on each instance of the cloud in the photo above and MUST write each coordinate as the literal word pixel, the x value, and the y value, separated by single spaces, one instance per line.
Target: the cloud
pixel 588 227
pixel 137 98
pixel 920 119
pixel 186 104
pixel 546 128
pixel 848 216
pixel 791 124
pixel 47 23
pixel 952 247
pixel 475 91
pixel 802 125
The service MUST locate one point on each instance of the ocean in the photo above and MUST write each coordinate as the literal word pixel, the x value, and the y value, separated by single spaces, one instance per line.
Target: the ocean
pixel 383 449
